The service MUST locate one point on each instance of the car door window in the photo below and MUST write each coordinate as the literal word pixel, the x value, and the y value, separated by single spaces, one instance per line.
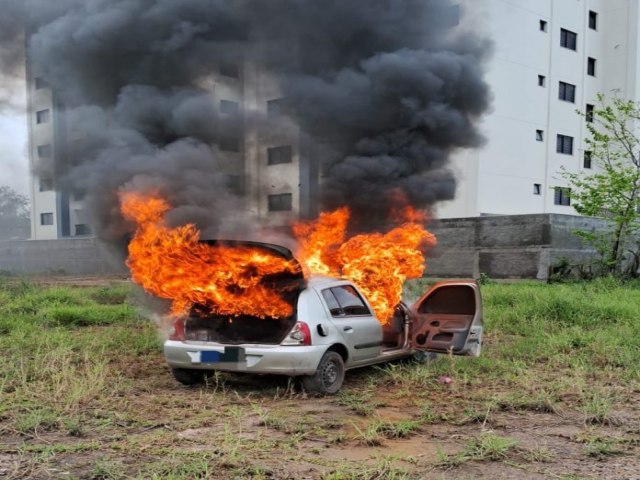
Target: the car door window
pixel 332 303
pixel 455 299
pixel 347 300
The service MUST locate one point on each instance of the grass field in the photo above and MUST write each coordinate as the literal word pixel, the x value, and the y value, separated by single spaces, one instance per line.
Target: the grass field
pixel 84 393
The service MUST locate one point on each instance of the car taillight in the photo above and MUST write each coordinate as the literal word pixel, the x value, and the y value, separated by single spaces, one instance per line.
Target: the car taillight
pixel 176 332
pixel 299 335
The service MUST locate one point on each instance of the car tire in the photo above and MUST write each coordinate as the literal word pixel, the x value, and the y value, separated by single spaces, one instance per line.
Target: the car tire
pixel 188 376
pixel 328 377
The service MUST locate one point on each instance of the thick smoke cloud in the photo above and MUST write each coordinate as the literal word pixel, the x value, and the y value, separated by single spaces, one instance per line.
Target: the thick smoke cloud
pixel 385 89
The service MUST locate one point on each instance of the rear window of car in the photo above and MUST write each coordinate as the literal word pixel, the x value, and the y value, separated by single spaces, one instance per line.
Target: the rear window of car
pixel 344 301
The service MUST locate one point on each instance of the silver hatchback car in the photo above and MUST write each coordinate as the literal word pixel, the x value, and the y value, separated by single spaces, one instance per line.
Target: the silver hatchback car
pixel 333 329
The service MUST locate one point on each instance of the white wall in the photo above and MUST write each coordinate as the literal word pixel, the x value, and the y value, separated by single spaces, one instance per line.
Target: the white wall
pixel 513 161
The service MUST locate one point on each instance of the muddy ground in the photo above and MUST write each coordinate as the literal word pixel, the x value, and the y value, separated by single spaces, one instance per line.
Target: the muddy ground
pixel 396 421
pixel 263 427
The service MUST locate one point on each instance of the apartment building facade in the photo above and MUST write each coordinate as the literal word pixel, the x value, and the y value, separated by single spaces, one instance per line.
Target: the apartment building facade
pixel 551 58
pixel 261 161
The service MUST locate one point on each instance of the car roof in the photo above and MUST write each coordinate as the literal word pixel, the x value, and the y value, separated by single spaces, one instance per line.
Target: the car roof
pixel 324 281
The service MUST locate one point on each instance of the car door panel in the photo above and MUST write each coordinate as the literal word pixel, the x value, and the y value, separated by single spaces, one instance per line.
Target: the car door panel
pixel 448 318
pixel 349 313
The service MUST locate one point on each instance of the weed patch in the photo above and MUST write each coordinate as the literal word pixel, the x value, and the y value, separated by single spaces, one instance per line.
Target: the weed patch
pixel 485 447
pixel 84 389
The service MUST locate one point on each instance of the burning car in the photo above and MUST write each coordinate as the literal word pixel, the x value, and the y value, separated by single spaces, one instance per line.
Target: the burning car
pixel 255 307
pixel 331 328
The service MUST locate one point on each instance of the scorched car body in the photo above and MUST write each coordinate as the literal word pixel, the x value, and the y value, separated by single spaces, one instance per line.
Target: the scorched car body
pixel 333 329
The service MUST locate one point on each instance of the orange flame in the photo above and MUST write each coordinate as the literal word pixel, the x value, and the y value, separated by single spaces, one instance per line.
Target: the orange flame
pixel 172 263
pixel 377 263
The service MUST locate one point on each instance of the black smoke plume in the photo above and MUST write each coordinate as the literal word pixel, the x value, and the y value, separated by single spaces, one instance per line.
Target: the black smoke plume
pixel 383 91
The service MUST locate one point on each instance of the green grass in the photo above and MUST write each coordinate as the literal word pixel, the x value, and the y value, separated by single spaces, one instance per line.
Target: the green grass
pixel 487 446
pixel 58 345
pixel 82 376
pixel 585 327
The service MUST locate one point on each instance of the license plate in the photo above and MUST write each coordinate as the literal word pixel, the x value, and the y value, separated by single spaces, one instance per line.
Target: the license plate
pixel 230 354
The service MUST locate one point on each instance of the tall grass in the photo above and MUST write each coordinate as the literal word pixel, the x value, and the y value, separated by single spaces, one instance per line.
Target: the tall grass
pixel 58 348
pixel 544 345
pixel 64 348
pixel 591 325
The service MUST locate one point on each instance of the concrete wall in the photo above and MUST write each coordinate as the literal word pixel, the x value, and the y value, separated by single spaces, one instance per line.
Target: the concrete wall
pixel 81 256
pixel 517 246
pixel 514 246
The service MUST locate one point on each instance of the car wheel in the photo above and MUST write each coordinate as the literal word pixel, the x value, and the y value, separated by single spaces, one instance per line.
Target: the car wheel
pixel 328 377
pixel 189 377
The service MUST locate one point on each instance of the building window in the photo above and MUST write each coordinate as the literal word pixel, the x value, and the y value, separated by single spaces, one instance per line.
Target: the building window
pixel 46 219
pixel 43 116
pixel 568 39
pixel 229 108
pixel 280 203
pixel 82 229
pixel 567 92
pixel 44 151
pixel 233 183
pixel 229 69
pixel 593 20
pixel 562 196
pixel 537 188
pixel 542 80
pixel 276 107
pixel 587 159
pixel 539 135
pixel 40 83
pixel 278 155
pixel 591 66
pixel 229 144
pixel 564 144
pixel 543 25
pixel 45 185
pixel 588 113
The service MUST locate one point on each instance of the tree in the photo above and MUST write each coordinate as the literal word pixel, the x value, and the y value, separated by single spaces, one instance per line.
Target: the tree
pixel 14 214
pixel 613 190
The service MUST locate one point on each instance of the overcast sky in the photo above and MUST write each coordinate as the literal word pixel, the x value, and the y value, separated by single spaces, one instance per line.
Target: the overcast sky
pixel 14 164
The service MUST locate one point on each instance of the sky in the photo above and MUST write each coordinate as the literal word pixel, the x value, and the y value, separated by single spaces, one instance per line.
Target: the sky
pixel 14 162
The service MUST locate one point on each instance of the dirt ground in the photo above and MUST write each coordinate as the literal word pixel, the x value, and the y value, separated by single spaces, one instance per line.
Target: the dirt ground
pixel 382 425
pixel 262 427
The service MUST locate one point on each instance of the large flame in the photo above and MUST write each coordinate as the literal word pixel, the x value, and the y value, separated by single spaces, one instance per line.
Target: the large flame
pixel 172 263
pixel 378 263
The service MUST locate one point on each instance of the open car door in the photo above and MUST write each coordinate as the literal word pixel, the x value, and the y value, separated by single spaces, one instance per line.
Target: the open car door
pixel 448 319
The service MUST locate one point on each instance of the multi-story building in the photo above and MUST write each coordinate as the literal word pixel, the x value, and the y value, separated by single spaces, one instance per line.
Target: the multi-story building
pixel 551 58
pixel 262 164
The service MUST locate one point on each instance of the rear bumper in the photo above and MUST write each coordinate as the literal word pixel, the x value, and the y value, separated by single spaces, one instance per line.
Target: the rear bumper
pixel 276 359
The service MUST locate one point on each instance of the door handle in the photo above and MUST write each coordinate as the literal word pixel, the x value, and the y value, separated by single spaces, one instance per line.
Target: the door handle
pixel 347 329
